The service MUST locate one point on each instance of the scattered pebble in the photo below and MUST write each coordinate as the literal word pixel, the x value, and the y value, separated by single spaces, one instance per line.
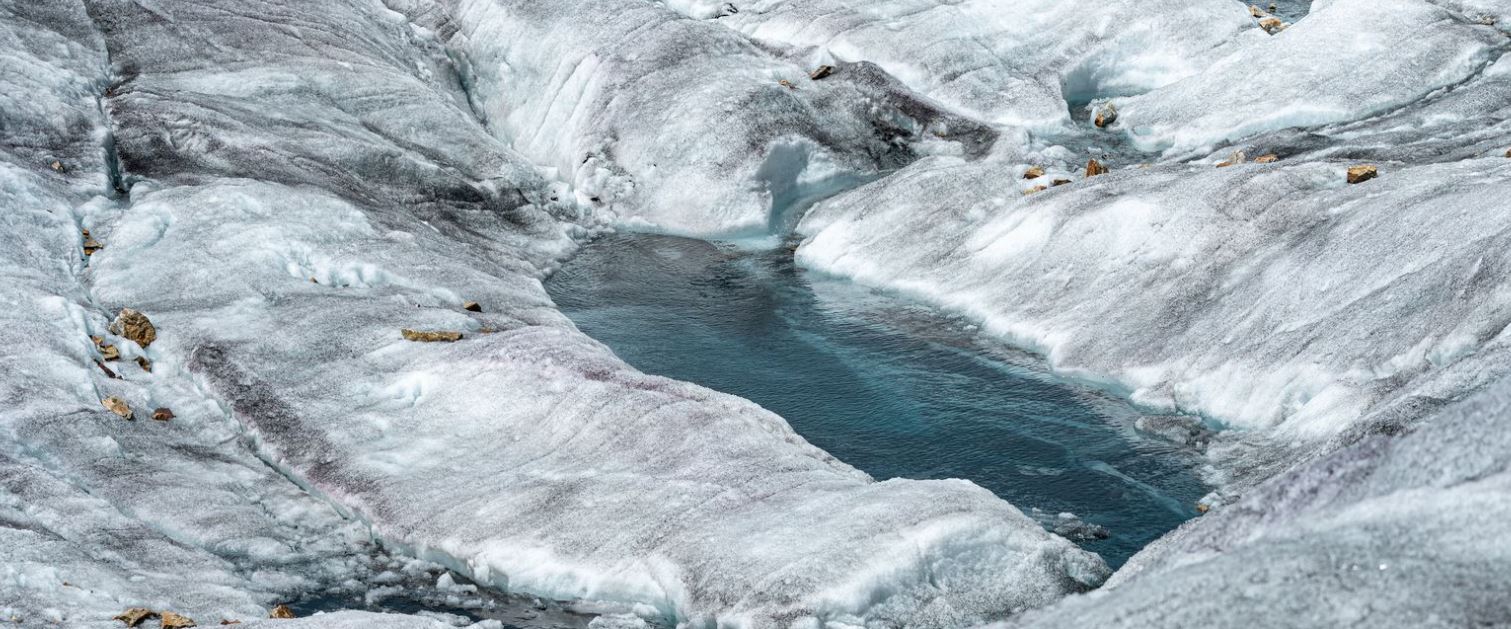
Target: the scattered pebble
pixel 135 326
pixel 118 406
pixel 90 244
pixel 1106 115
pixel 146 365
pixel 57 166
pixel 821 72
pixel 1361 174
pixel 163 414
pixel 281 611
pixel 787 84
pixel 431 337
pixel 1059 182
pixel 176 621
pixel 1034 172
pixel 1267 158
pixel 134 616
pixel 472 306
pixel 1272 25
pixel 1094 168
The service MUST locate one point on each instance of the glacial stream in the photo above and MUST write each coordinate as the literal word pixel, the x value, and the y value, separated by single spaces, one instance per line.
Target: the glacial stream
pixel 887 386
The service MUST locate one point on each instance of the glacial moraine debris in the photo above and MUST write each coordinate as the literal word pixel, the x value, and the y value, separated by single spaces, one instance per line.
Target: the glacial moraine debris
pixel 118 406
pixel 821 72
pixel 1094 168
pixel 171 620
pixel 472 306
pixel 146 365
pixel 1106 115
pixel 1267 158
pixel 422 336
pixel 135 616
pixel 281 611
pixel 58 166
pixel 163 414
pixel 1039 188
pixel 1272 25
pixel 1059 182
pixel 107 352
pixel 1255 11
pixel 1236 158
pixel 90 244
pixel 1033 172
pixel 1362 173
pixel 135 326
pixel 108 373
pixel 787 84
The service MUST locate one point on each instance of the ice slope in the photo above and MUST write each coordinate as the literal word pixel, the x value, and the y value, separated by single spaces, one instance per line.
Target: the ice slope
pixel 1390 532
pixel 1347 60
pixel 671 124
pixel 1262 296
pixel 305 180
pixel 1022 64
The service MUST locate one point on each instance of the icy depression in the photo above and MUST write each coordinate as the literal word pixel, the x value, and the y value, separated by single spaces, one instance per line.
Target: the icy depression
pixel 284 186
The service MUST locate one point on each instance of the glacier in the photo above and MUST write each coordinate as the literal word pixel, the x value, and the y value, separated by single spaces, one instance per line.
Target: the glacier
pixel 283 187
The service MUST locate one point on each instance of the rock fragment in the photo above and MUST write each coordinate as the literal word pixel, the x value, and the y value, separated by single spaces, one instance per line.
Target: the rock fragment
pixel 1267 158
pixel 281 611
pixel 1362 173
pixel 163 414
pixel 171 620
pixel 1059 182
pixel 146 365
pixel 135 616
pixel 472 306
pixel 108 352
pixel 135 326
pixel 90 244
pixel 1235 159
pixel 1038 188
pixel 1106 115
pixel 118 406
pixel 1272 25
pixel 787 84
pixel 57 166
pixel 821 72
pixel 1033 172
pixel 1094 168
pixel 440 336
pixel 1255 11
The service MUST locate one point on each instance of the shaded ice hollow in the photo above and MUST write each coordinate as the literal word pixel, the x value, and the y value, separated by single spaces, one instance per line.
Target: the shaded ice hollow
pixel 282 187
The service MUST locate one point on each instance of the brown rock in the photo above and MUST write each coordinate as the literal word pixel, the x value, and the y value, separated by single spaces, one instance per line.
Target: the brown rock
pixel 1508 152
pixel 176 621
pixel 1272 25
pixel 146 365
pixel 1236 158
pixel 1203 507
pixel 1094 168
pixel 1267 159
pixel 1033 172
pixel 109 352
pixel 134 616
pixel 57 166
pixel 163 414
pixel 113 375
pixel 1059 182
pixel 1038 188
pixel 90 244
pixel 117 405
pixel 431 337
pixel 230 622
pixel 1106 115
pixel 472 306
pixel 1362 173
pixel 821 72
pixel 787 84
pixel 1255 11
pixel 281 611
pixel 135 326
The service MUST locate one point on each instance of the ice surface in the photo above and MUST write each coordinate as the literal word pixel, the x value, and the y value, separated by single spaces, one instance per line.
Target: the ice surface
pixel 672 124
pixel 282 187
pixel 1264 296
pixel 304 181
pixel 1390 532
pixel 1345 61
pixel 1014 64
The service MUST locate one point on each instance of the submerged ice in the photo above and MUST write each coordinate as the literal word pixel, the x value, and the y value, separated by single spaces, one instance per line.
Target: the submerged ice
pixel 283 187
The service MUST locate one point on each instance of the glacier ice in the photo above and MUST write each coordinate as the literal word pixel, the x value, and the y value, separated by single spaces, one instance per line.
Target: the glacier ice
pixel 282 187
